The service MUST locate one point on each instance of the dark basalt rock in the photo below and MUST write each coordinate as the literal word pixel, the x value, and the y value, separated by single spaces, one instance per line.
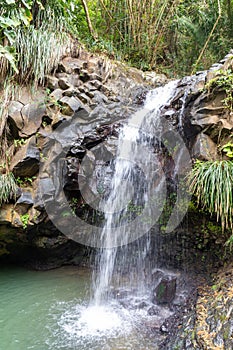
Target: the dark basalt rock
pixel 165 291
pixel 32 116
pixel 25 162
pixel 15 118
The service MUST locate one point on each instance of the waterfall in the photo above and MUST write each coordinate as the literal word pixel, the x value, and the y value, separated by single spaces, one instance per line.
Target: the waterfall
pixel 135 201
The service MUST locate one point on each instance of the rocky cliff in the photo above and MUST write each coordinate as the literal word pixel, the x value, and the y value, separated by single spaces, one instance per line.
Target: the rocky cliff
pixel 84 104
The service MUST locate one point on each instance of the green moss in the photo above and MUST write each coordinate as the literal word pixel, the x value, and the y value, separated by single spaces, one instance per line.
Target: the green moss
pixel 223 81
pixel 25 218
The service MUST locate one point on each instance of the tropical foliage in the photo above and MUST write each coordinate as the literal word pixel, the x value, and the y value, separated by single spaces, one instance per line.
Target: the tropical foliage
pixel 212 184
pixel 173 36
pixel 8 188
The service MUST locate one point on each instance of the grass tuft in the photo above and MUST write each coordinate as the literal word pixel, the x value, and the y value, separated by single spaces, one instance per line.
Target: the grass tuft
pixel 212 183
pixel 39 50
pixel 8 188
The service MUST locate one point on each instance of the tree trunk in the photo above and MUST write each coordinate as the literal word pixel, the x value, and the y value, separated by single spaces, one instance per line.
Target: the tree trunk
pixel 91 30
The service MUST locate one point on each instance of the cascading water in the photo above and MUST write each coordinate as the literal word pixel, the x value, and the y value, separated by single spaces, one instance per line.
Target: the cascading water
pixel 132 206
pixel 133 187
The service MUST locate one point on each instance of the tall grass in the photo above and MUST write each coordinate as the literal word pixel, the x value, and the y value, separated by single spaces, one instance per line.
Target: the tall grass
pixel 8 188
pixel 212 183
pixel 39 48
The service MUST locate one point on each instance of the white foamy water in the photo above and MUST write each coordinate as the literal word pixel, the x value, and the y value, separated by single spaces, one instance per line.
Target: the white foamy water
pixel 107 323
pixel 134 152
pixel 101 328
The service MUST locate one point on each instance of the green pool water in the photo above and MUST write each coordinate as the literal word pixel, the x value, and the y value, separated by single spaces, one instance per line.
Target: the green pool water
pixel 49 311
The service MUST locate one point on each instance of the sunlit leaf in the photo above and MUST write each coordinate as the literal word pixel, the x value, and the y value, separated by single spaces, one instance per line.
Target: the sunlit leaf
pixel 5 52
pixel 8 22
pixel 9 2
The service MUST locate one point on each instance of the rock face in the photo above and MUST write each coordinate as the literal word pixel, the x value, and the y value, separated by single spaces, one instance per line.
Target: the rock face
pixel 25 162
pixel 85 103
pixel 210 325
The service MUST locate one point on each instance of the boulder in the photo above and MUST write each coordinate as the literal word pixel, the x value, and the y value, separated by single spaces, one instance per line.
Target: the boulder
pixel 71 65
pixel 52 82
pixel 15 118
pixel 25 163
pixel 70 105
pixel 204 148
pixel 24 202
pixel 84 76
pixel 58 119
pixel 207 109
pixel 32 116
pixel 155 79
pixel 64 84
pixel 56 95
pixel 165 291
pixel 84 98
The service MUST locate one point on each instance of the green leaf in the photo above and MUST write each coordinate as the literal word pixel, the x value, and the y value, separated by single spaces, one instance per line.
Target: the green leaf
pixel 6 22
pixel 24 18
pixel 5 52
pixel 10 35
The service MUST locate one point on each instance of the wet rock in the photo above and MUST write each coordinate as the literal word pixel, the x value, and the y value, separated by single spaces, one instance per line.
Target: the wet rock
pixel 153 310
pixel 155 79
pixel 58 119
pixel 84 75
pixel 78 150
pixel 16 219
pixel 165 291
pixel 142 305
pixel 70 105
pixel 207 110
pixel 204 148
pixel 164 328
pixel 32 116
pixel 56 95
pixel 156 276
pixel 52 82
pixel 15 117
pixel 24 202
pixel 25 163
pixel 64 83
pixel 84 98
